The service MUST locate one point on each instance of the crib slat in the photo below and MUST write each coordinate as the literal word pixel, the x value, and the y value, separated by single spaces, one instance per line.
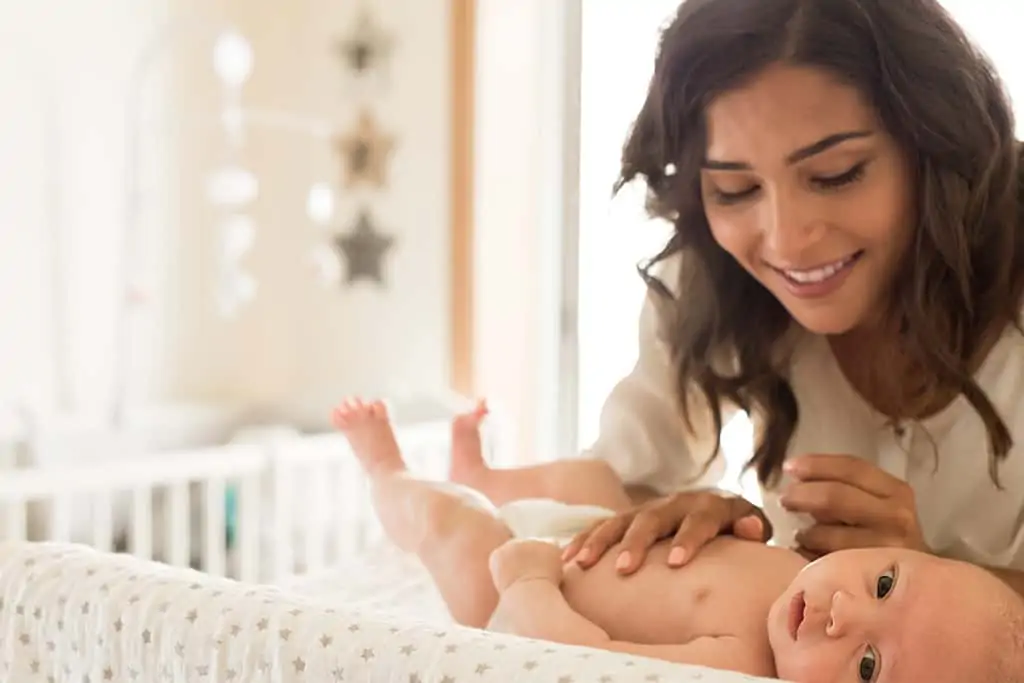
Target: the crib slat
pixel 176 520
pixel 102 521
pixel 60 519
pixel 142 523
pixel 214 528
pixel 356 517
pixel 314 528
pixel 346 514
pixel 284 555
pixel 248 534
pixel 15 516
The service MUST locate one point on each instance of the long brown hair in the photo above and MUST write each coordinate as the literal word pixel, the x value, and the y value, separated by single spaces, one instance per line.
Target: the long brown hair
pixel 938 96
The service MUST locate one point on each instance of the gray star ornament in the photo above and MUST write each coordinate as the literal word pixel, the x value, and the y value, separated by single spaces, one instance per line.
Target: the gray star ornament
pixel 368 47
pixel 363 250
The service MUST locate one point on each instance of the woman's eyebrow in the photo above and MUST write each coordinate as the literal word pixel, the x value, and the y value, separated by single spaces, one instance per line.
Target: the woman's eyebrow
pixel 815 148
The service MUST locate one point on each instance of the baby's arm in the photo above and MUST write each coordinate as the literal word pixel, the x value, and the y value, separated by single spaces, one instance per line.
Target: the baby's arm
pixel 527 574
pixel 536 608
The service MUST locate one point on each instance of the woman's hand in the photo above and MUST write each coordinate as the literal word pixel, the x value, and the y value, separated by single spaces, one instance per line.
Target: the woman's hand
pixel 854 504
pixel 694 517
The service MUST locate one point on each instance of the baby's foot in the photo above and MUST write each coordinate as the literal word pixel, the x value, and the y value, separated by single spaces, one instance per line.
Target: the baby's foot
pixel 368 430
pixel 467 465
pixel 524 560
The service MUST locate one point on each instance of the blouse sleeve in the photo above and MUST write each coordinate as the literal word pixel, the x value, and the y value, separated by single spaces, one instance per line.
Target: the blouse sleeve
pixel 642 434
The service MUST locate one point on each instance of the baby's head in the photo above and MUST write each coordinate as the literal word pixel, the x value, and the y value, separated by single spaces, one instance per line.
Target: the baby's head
pixel 896 616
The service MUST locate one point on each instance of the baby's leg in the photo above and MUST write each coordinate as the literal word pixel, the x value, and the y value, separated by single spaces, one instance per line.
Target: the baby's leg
pixel 451 529
pixel 575 482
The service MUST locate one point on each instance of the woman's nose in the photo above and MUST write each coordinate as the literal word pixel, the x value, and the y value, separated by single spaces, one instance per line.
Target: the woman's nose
pixel 790 231
pixel 847 615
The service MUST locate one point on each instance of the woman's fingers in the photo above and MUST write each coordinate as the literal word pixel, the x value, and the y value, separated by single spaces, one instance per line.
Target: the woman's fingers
pixel 696 530
pixel 833 502
pixel 575 545
pixel 594 543
pixel 822 539
pixel 694 517
pixel 848 469
pixel 648 528
pixel 707 522
pixel 751 528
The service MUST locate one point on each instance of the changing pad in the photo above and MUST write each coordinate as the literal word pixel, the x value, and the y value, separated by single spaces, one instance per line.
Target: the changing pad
pixel 68 613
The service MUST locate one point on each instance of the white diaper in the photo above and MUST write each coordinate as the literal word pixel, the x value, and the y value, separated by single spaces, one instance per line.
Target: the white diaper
pixel 549 519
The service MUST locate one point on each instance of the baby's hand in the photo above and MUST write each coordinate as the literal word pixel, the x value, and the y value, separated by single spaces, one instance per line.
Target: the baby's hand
pixel 525 560
pixel 527 575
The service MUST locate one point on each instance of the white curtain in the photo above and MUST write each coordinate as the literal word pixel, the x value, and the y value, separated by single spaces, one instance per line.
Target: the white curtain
pixel 62 67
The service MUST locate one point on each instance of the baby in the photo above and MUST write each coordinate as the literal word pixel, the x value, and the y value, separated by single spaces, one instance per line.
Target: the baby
pixel 857 616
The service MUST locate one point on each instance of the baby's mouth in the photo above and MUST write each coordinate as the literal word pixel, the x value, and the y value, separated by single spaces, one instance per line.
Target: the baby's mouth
pixel 797 611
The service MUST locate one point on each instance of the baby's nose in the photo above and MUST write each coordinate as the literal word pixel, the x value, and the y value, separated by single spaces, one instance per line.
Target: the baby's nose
pixel 847 615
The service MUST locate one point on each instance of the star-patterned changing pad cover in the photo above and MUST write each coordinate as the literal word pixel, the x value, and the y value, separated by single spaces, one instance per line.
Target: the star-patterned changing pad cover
pixel 69 614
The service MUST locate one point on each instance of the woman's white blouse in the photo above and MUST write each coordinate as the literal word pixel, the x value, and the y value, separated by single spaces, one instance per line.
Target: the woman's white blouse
pixel 944 458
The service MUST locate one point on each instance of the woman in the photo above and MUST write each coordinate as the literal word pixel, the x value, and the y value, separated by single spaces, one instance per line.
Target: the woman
pixel 847 266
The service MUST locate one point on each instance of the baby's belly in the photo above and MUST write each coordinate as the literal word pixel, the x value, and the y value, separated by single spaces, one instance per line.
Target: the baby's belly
pixel 726 589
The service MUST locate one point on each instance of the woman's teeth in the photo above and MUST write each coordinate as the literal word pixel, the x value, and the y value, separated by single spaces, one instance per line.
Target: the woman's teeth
pixel 818 274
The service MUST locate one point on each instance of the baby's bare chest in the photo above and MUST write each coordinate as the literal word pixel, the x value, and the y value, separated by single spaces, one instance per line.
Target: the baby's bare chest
pixel 726 590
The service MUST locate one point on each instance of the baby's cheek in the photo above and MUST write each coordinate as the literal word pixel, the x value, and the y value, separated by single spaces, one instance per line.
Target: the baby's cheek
pixel 814 664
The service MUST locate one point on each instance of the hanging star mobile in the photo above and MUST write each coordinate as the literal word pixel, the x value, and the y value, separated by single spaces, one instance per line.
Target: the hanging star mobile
pixel 368 48
pixel 363 250
pixel 366 151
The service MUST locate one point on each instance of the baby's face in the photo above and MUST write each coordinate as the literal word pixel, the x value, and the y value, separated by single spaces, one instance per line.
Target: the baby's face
pixel 885 616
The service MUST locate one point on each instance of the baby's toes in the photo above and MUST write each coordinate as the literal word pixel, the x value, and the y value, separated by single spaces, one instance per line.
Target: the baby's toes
pixel 377 410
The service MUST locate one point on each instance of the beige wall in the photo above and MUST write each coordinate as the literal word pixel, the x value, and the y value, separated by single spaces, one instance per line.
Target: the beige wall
pixel 299 343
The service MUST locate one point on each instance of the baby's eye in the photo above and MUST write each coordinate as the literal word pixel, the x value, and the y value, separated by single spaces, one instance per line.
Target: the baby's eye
pixel 868 666
pixel 885 583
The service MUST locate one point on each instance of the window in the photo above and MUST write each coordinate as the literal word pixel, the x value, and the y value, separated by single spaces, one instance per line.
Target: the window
pixel 619 40
pixel 995 29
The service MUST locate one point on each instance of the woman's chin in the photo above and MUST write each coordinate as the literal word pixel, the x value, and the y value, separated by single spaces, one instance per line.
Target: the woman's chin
pixel 823 321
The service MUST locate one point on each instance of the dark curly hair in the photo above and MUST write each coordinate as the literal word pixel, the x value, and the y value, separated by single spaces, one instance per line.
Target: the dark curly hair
pixel 961 280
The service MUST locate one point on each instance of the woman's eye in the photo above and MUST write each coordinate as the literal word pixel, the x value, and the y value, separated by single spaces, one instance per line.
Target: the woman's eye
pixel 845 178
pixel 723 197
pixel 868 666
pixel 885 583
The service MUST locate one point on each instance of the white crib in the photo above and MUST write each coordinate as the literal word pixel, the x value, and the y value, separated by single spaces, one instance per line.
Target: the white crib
pixel 299 503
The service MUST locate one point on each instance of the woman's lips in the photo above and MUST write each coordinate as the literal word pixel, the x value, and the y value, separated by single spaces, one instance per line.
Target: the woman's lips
pixel 819 282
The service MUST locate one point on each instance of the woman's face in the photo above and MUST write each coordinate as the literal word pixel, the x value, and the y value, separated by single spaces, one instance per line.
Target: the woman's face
pixel 807 191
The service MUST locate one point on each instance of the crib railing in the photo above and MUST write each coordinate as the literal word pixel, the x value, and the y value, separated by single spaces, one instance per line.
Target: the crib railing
pixel 99 489
pixel 295 505
pixel 320 500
